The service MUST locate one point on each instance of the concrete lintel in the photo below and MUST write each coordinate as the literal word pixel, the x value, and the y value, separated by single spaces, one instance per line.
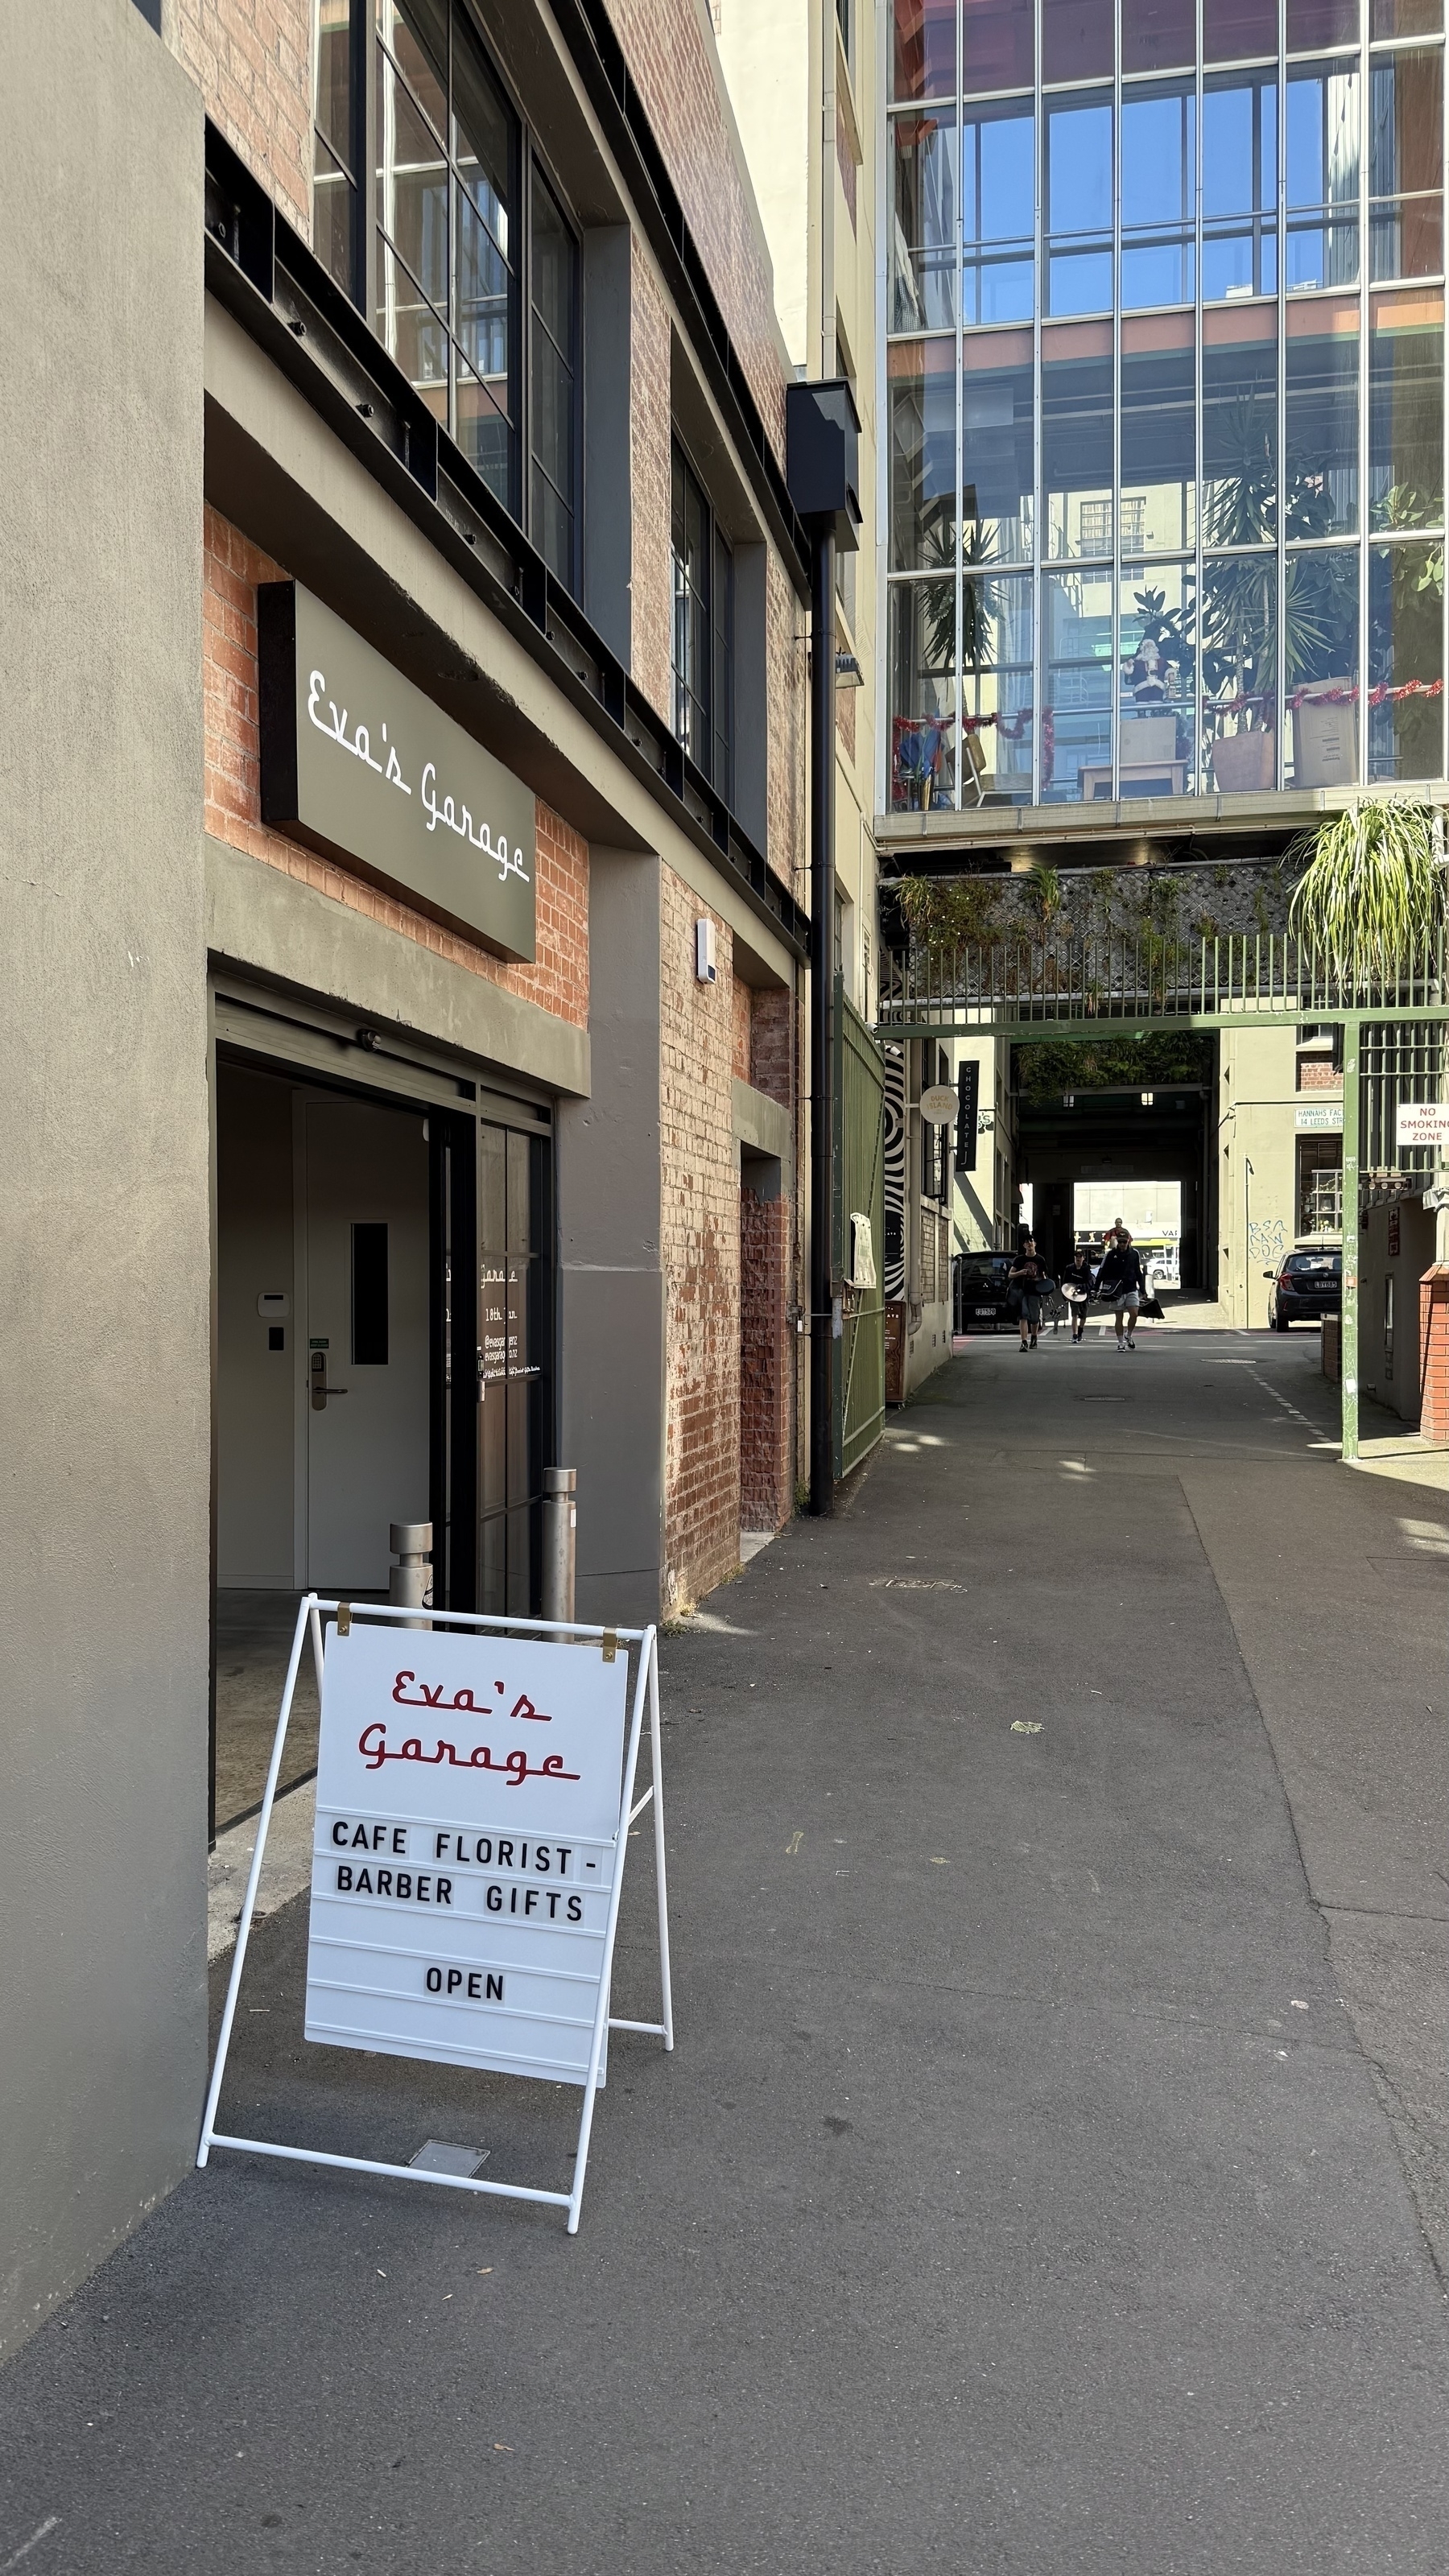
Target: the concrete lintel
pixel 762 1123
pixel 309 943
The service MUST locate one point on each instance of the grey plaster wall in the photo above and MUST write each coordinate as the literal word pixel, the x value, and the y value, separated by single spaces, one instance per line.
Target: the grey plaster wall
pixel 103 1149
pixel 611 1395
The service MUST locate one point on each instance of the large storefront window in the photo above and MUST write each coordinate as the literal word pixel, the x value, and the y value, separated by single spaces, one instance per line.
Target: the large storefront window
pixel 1229 404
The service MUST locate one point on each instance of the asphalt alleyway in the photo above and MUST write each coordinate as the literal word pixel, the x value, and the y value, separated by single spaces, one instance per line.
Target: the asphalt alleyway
pixel 1050 2174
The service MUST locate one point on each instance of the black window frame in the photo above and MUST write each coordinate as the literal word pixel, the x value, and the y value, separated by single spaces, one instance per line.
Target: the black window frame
pixel 529 168
pixel 710 744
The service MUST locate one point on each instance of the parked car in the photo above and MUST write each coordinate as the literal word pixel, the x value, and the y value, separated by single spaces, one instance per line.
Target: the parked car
pixel 981 1294
pixel 1306 1287
pixel 981 1305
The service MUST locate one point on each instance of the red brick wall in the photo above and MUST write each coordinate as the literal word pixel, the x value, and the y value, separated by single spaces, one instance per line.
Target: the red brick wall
pixel 699 1190
pixel 740 1032
pixel 764 1362
pixel 1434 1356
pixel 770 1045
pixel 672 57
pixel 252 62
pixel 651 500
pixel 558 981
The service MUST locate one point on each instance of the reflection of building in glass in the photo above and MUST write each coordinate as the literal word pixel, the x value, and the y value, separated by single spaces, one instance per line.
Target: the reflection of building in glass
pixel 1164 392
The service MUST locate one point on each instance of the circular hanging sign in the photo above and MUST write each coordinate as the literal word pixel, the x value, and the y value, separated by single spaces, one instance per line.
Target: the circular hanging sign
pixel 939 1104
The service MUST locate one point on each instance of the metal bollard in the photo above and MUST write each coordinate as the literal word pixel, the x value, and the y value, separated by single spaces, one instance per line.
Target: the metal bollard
pixel 410 1581
pixel 560 1529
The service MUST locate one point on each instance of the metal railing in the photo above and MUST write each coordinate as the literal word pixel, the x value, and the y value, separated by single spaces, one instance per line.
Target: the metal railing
pixel 1071 982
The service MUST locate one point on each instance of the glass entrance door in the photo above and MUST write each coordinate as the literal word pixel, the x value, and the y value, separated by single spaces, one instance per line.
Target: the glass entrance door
pixel 515 1365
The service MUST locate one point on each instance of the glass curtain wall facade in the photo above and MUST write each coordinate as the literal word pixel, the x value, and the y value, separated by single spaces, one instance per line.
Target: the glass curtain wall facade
pixel 1164 384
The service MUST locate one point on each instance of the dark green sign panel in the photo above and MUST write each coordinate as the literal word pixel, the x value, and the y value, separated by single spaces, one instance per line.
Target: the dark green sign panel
pixel 357 763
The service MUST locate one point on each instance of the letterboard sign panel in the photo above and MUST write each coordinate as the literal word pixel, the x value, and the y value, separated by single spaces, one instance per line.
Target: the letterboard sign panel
pixel 468 1793
pixel 359 764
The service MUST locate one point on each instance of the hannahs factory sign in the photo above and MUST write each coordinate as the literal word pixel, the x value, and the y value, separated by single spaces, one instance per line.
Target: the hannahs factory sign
pixel 360 765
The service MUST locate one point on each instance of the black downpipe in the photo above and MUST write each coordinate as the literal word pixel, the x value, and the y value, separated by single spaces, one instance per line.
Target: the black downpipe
pixel 822 988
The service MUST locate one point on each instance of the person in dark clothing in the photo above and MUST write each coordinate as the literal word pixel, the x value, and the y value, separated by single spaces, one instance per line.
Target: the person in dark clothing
pixel 1029 1278
pixel 1120 1284
pixel 1076 1286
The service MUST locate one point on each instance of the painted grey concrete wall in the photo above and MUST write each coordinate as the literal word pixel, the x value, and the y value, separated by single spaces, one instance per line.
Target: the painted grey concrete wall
pixel 611 1388
pixel 104 1425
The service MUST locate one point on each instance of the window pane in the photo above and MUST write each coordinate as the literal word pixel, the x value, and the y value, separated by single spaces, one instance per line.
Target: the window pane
pixel 999 44
pixel 1405 17
pixel 1319 22
pixel 1406 411
pixel 1159 435
pixel 996 446
pixel 1406 237
pixel 332 99
pixel 412 333
pixel 1322 175
pixel 412 188
pixel 1080 282
pixel 722 765
pixel 923 60
pixel 1239 648
pixel 1077 687
pixel 333 199
pixel 1236 31
pixel 1321 489
pixel 1239 187
pixel 996 635
pixel 1405 153
pixel 690 550
pixel 1158 191
pixel 416 35
pixel 923 694
pixel 999 215
pixel 551 426
pixel 1240 425
pixel 1406 620
pixel 1155 719
pixel 1158 176
pixel 923 237
pixel 922 386
pixel 1079 167
pixel 1077 439
pixel 482 135
pixel 1076 39
pixel 1320 673
pixel 483 431
pixel 1157 35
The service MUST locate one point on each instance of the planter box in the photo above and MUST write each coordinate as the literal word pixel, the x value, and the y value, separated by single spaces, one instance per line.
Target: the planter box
pixel 1325 741
pixel 1242 763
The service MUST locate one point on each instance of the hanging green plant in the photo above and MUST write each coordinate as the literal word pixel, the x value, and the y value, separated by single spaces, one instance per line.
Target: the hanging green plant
pixel 1370 897
pixel 946 913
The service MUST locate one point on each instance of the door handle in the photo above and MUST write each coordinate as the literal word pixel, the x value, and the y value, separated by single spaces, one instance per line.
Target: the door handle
pixel 320 1388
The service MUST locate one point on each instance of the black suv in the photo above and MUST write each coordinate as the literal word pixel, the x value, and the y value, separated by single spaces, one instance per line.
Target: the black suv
pixel 981 1305
pixel 1305 1288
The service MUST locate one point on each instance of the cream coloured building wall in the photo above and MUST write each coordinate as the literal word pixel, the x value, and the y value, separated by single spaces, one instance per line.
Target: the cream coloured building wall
pixel 1257 1167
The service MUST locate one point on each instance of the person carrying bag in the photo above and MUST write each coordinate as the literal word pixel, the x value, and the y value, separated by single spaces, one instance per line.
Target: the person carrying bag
pixel 1121 1285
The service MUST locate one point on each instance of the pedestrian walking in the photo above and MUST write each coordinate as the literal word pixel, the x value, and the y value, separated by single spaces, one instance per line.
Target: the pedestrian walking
pixel 1120 1285
pixel 1076 1287
pixel 1027 1282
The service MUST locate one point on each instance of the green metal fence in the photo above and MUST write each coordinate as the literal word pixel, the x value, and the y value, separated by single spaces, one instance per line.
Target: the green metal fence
pixel 859 1087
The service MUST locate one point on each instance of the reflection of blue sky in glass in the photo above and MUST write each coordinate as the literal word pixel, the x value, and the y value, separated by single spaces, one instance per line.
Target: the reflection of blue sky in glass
pixel 1156 273
pixel 1081 283
pixel 1157 161
pixel 1239 163
pixel 1079 170
pixel 999 192
pixel 1322 127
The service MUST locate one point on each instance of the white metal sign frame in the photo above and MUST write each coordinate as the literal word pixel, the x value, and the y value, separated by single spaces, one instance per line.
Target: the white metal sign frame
pixel 646 1694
